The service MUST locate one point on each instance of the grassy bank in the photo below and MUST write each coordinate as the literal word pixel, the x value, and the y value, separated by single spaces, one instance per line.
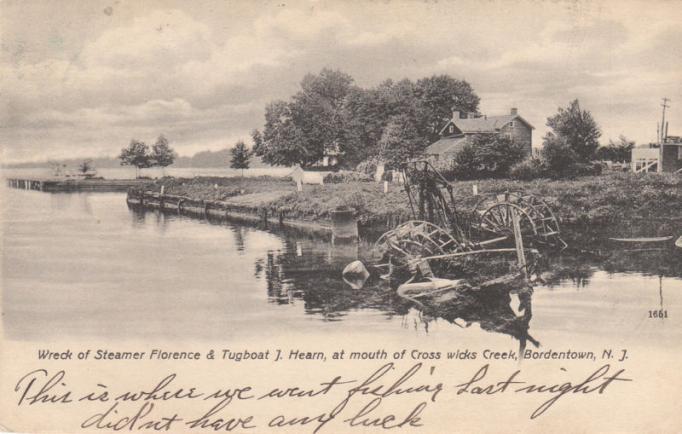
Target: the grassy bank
pixel 618 203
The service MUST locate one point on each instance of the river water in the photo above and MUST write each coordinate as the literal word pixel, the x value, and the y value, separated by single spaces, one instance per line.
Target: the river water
pixel 84 266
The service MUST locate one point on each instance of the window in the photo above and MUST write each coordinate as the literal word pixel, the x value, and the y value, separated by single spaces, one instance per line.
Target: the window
pixel 679 152
pixel 451 130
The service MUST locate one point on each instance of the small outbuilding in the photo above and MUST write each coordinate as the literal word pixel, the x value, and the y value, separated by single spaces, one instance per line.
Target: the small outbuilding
pixel 646 158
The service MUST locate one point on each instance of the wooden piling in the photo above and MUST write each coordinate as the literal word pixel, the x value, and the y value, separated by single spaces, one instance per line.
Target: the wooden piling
pixel 518 241
pixel 344 225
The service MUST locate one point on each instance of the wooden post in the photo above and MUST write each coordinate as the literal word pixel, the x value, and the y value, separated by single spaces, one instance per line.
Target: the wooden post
pixel 475 189
pixel 385 186
pixel 344 225
pixel 518 241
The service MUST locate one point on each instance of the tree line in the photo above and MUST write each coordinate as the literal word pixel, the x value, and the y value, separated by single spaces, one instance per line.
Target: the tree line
pixel 331 114
pixel 571 147
pixel 397 121
pixel 141 156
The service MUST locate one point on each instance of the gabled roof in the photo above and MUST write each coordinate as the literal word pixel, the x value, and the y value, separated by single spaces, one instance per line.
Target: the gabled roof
pixel 489 124
pixel 447 146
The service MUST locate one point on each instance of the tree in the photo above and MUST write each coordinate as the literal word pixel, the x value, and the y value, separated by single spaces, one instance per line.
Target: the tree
pixel 330 113
pixel 577 129
pixel 401 141
pixel 240 157
pixel 301 130
pixel 428 103
pixel 437 96
pixel 488 156
pixel 136 154
pixel 86 166
pixel 366 113
pixel 558 156
pixel 162 154
pixel 619 151
pixel 258 144
pixel 281 141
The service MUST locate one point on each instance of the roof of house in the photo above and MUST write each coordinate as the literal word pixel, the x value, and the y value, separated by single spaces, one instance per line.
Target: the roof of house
pixel 447 145
pixel 489 124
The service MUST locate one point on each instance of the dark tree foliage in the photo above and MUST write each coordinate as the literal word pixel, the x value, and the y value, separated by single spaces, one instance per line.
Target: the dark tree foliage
pixel 240 156
pixel 329 113
pixel 162 154
pixel 136 154
pixel 257 137
pixel 86 166
pixel 558 156
pixel 401 140
pixel 365 119
pixel 438 95
pixel 619 151
pixel 282 139
pixel 488 156
pixel 300 131
pixel 577 129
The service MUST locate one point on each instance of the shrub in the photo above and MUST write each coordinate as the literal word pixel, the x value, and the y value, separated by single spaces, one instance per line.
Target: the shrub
pixel 488 156
pixel 346 176
pixel 528 169
pixel 369 166
pixel 559 158
pixel 446 167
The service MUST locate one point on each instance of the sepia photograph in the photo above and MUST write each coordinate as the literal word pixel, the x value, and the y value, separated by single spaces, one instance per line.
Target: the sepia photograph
pixel 340 216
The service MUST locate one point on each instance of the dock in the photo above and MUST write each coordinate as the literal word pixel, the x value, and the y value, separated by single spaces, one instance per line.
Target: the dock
pixel 74 185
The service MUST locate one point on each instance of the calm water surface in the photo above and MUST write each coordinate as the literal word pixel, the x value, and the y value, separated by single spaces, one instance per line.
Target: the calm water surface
pixel 85 266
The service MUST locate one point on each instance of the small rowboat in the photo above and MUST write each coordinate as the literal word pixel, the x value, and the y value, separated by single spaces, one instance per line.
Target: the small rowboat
pixel 678 243
pixel 644 240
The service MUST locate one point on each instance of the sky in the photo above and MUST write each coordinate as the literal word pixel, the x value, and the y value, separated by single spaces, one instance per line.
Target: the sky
pixel 82 78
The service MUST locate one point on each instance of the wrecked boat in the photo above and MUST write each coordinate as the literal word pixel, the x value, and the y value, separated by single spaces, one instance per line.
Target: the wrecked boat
pixel 456 264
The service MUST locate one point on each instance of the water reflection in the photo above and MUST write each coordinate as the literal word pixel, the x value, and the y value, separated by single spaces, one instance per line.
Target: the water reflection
pixel 78 203
pixel 311 272
pixel 86 265
pixel 307 270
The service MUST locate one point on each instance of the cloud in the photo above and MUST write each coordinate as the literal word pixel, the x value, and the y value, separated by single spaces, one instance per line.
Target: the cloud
pixel 203 75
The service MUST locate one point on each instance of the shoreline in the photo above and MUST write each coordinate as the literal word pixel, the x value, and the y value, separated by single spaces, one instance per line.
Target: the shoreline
pixel 591 208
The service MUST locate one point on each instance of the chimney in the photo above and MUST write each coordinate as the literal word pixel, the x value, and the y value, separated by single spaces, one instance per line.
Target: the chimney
pixel 455 114
pixel 514 111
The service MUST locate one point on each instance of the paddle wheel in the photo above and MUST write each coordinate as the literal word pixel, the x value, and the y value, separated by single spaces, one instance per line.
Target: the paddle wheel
pixel 536 219
pixel 416 239
pixel 440 230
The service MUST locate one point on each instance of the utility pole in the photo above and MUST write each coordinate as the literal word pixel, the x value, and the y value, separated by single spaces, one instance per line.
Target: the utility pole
pixel 662 136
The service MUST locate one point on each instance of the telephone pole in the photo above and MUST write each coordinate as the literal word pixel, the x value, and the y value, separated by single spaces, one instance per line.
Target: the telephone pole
pixel 662 136
pixel 663 132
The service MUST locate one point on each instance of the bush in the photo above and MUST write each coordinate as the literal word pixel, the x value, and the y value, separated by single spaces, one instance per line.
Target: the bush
pixel 488 156
pixel 446 167
pixel 560 159
pixel 369 166
pixel 346 176
pixel 528 169
pixel 587 169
